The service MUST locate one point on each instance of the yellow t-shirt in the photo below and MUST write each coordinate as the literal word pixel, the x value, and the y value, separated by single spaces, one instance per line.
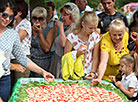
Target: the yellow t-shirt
pixel 113 64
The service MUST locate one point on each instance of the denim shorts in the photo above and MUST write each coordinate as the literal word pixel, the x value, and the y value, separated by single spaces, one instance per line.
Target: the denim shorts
pixel 5 85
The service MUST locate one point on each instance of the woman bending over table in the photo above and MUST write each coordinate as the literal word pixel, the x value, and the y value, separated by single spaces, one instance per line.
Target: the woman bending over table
pixel 113 47
pixel 10 44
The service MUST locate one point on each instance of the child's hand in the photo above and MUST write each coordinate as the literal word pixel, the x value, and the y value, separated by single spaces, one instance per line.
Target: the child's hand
pixel 112 78
pixel 118 84
pixel 81 50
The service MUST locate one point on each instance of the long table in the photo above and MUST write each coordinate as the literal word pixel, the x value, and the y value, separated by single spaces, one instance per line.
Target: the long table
pixel 22 81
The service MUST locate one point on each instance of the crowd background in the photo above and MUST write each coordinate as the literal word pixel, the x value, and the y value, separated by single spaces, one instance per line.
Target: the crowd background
pixel 91 3
pixel 46 25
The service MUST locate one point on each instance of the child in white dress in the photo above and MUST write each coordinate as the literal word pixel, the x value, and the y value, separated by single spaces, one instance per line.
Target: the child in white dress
pixel 129 83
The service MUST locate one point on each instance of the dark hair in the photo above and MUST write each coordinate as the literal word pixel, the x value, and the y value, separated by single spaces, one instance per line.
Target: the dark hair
pixel 51 4
pixel 8 3
pixel 133 23
pixel 72 1
pixel 22 6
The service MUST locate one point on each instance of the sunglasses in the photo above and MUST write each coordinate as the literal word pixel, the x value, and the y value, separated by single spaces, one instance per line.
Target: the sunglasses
pixel 6 15
pixel 37 18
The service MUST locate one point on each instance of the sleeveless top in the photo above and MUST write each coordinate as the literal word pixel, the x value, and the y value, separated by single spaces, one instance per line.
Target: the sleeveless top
pixel 38 55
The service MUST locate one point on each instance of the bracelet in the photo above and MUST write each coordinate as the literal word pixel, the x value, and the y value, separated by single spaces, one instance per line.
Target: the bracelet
pixel 96 74
pixel 92 72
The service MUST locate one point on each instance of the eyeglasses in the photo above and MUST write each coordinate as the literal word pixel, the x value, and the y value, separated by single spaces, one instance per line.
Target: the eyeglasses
pixel 6 15
pixel 37 18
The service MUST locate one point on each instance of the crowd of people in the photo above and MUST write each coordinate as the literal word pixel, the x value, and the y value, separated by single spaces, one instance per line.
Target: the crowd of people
pixel 80 44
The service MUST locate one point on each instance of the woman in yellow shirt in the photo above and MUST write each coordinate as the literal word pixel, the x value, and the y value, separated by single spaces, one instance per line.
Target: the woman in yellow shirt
pixel 113 46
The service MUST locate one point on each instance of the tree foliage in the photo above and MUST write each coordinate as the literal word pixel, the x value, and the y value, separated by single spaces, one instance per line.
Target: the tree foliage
pixel 91 3
pixel 120 3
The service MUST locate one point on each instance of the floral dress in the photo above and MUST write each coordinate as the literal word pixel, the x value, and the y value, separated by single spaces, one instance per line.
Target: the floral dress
pixel 94 38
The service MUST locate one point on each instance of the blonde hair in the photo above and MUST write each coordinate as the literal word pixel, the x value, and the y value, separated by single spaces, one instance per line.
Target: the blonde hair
pixel 73 10
pixel 132 59
pixel 117 25
pixel 40 12
pixel 87 17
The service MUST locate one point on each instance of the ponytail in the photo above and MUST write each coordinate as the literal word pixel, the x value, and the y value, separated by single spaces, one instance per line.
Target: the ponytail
pixel 132 59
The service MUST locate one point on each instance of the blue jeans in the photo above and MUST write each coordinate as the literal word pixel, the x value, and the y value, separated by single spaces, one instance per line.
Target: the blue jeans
pixel 5 85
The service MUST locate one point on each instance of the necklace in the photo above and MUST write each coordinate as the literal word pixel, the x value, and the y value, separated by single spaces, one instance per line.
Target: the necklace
pixel 118 46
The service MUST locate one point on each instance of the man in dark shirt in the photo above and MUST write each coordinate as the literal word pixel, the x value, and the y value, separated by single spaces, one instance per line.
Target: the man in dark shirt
pixel 108 15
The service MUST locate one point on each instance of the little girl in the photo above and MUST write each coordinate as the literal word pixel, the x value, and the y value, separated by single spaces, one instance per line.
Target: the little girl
pixel 129 83
pixel 86 40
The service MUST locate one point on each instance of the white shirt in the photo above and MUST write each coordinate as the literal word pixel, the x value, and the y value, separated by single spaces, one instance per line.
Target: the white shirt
pixel 26 42
pixel 130 82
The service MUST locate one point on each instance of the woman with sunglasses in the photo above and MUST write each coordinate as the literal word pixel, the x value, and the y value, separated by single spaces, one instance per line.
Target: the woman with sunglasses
pixel 42 40
pixel 70 16
pixel 10 44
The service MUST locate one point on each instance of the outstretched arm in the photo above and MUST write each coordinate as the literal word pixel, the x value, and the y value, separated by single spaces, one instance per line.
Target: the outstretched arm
pixel 129 92
pixel 96 57
pixel 35 68
pixel 95 61
pixel 102 67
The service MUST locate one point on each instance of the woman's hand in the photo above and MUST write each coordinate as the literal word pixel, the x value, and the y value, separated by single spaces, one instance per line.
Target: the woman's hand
pixel 17 68
pixel 48 76
pixel 81 50
pixel 96 82
pixel 90 75
pixel 134 36
pixel 58 23
pixel 37 29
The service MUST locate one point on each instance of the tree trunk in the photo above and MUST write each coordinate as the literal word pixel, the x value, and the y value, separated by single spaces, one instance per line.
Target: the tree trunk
pixel 35 3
